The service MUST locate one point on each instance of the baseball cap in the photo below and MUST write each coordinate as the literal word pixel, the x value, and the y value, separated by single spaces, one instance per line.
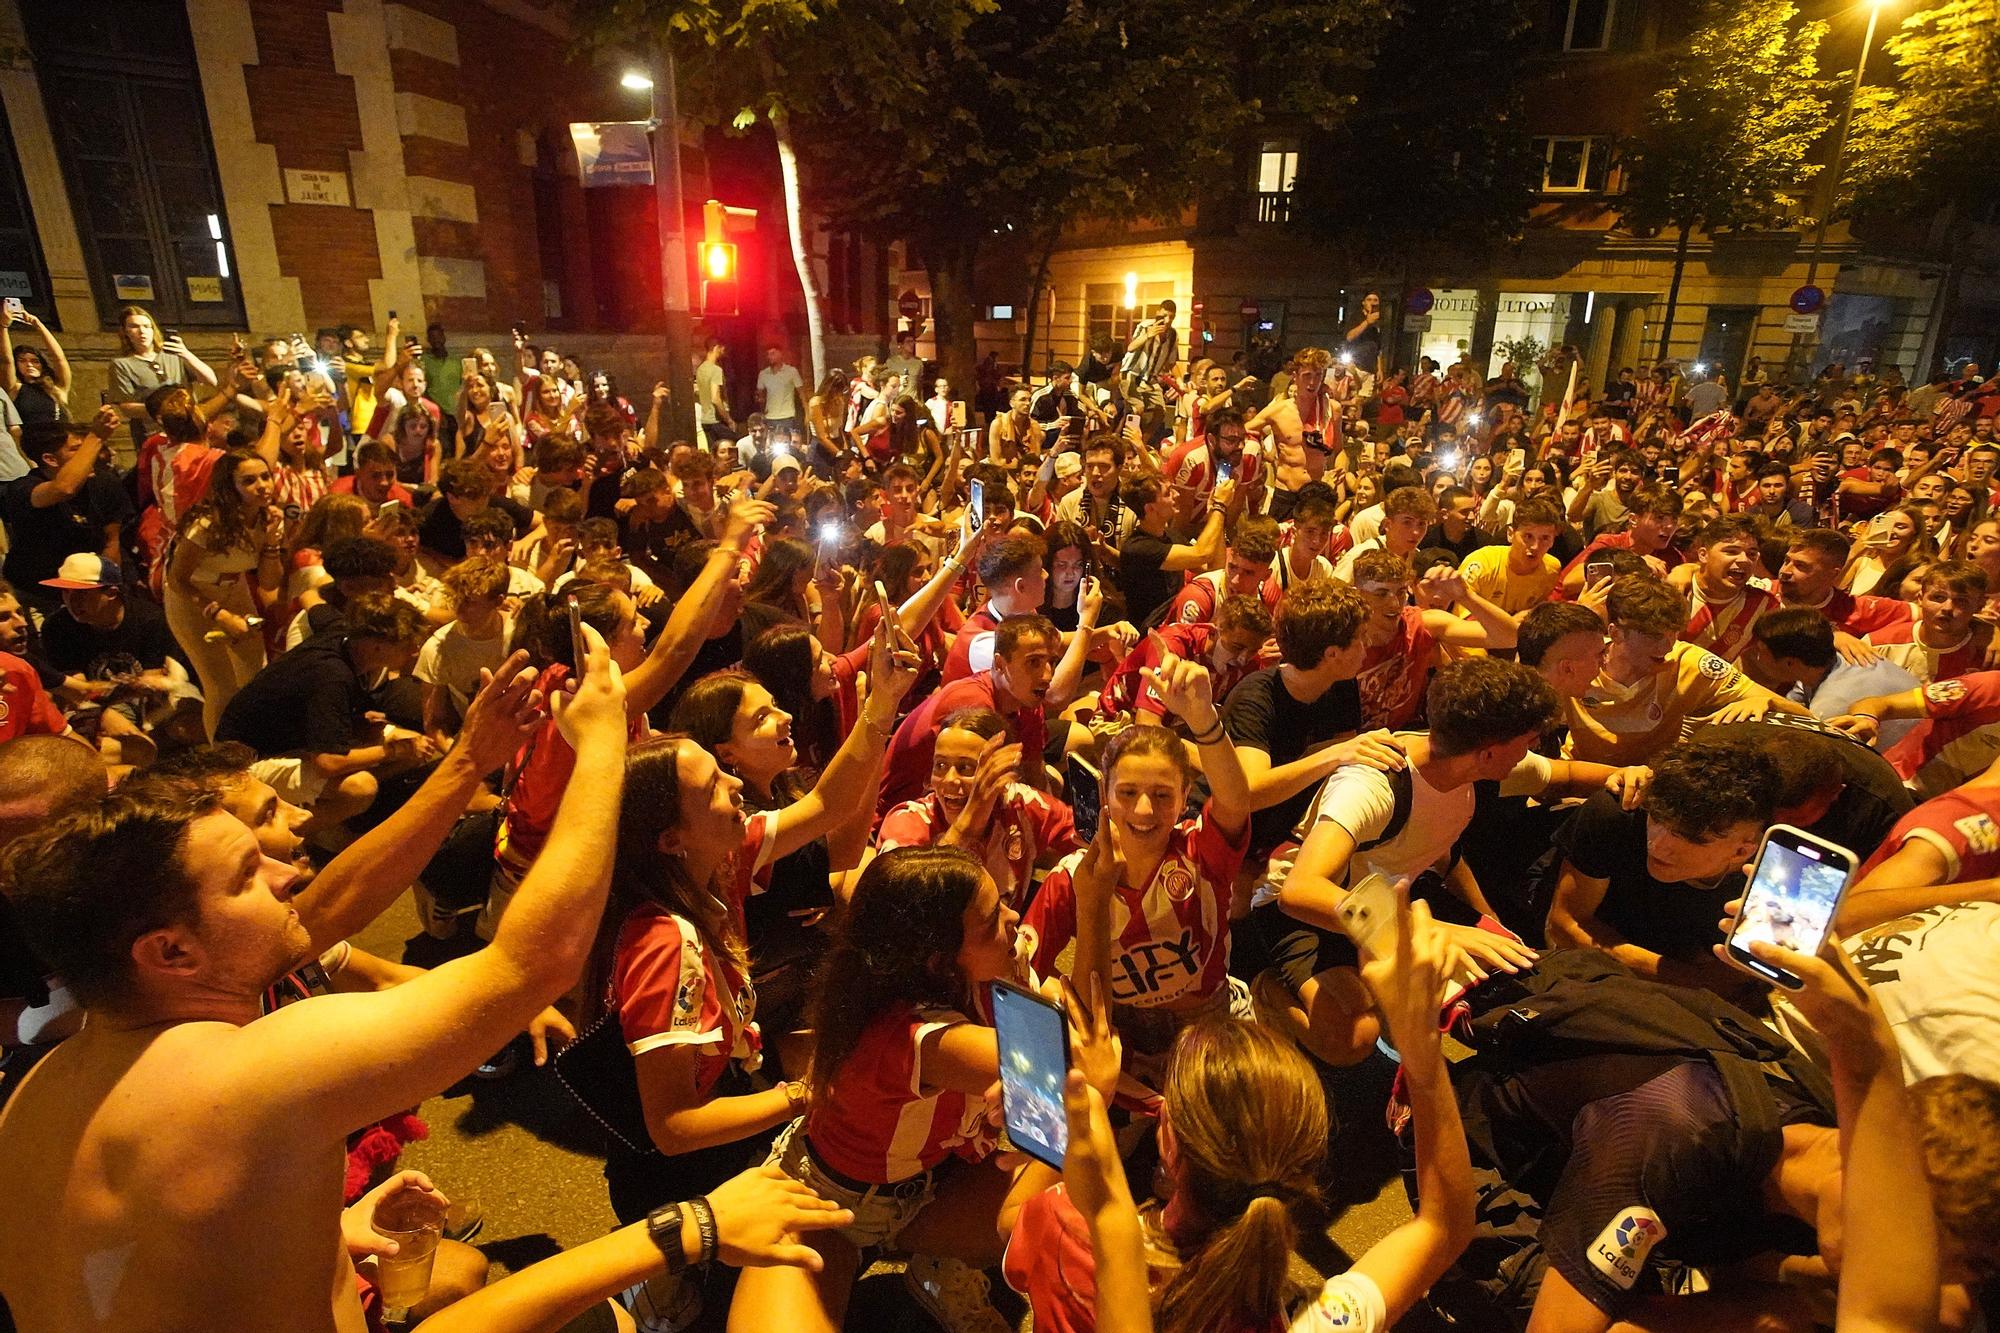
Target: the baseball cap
pixel 1068 465
pixel 783 461
pixel 83 570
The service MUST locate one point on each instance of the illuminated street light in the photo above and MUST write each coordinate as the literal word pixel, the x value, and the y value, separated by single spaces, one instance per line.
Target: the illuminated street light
pixel 633 81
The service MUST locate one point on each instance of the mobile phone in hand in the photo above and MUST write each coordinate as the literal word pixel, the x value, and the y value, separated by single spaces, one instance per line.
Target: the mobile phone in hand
pixel 15 309
pixel 978 518
pixel 1594 569
pixel 1368 915
pixel 579 645
pixel 1795 888
pixel 1034 1060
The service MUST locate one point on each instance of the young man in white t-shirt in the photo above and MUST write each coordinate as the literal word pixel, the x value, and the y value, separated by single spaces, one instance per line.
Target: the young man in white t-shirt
pixel 779 391
pixel 711 399
pixel 1485 715
pixel 476 639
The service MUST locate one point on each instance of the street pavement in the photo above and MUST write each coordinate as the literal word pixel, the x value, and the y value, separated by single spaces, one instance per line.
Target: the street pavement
pixel 528 1156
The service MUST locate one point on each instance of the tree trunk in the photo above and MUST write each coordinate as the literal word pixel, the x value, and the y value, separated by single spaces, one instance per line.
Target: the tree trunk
pixel 1673 293
pixel 1035 306
pixel 949 261
pixel 795 227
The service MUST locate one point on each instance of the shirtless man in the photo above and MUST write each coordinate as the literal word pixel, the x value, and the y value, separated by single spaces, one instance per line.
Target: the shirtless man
pixel 1304 428
pixel 179 1161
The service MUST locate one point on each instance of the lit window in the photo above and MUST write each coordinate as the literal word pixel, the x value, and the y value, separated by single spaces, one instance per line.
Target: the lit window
pixel 1574 165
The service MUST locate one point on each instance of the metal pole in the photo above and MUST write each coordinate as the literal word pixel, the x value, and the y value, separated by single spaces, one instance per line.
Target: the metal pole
pixel 680 414
pixel 1831 195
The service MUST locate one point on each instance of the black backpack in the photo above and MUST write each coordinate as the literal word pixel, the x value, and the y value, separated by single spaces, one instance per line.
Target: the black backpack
pixel 1577 1003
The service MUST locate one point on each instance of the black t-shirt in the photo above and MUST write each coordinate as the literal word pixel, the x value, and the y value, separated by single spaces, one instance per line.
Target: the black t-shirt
pixel 1473 540
pixel 41 537
pixel 311 700
pixel 141 641
pixel 1147 586
pixel 652 545
pixel 1649 1166
pixel 1604 841
pixel 440 530
pixel 1262 714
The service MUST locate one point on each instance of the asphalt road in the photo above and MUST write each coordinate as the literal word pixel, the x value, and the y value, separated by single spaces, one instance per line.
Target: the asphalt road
pixel 523 1150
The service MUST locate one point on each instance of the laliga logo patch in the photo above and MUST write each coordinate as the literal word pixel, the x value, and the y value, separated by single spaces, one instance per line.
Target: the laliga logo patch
pixel 1177 881
pixel 1620 1250
pixel 1979 832
pixel 1713 667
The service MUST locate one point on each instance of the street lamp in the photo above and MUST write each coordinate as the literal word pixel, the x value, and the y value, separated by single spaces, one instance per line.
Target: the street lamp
pixel 1840 140
pixel 633 81
pixel 1131 291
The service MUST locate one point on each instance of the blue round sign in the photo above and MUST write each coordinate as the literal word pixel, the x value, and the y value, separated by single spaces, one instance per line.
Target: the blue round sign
pixel 1807 300
pixel 1419 301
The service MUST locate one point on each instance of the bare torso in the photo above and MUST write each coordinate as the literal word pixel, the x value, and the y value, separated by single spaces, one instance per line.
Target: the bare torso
pixel 154 1201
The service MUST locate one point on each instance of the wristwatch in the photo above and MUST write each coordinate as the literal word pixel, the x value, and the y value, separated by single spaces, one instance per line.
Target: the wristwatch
pixel 663 1224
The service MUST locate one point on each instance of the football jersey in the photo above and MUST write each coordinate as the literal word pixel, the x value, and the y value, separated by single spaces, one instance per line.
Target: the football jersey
pixel 1633 724
pixel 1862 616
pixel 1394 675
pixel 1127 691
pixel 1962 824
pixel 1724 627
pixel 1025 824
pixel 1900 645
pixel 906 768
pixel 542 769
pixel 671 990
pixel 1488 572
pixel 876 1123
pixel 958 662
pixel 1959 739
pixel 25 707
pixel 1196 602
pixel 1171 935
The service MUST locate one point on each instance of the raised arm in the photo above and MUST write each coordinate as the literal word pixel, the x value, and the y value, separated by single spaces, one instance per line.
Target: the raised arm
pixel 58 361
pixel 1185 687
pixel 1206 552
pixel 330 1064
pixel 687 629
pixel 1068 675
pixel 69 478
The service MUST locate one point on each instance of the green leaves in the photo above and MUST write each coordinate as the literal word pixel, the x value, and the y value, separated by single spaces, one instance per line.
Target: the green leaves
pixel 1927 141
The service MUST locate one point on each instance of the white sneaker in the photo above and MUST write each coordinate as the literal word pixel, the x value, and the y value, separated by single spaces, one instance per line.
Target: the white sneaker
pixel 955 1294
pixel 663 1304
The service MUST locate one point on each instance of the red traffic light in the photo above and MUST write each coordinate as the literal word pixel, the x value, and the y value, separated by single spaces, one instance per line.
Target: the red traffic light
pixel 718 261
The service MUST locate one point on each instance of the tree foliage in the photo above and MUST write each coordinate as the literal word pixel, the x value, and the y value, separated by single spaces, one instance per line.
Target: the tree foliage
pixel 1434 164
pixel 1726 141
pixel 1928 140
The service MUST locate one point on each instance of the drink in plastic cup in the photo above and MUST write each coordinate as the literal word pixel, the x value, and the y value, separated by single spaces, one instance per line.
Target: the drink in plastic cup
pixel 413 1222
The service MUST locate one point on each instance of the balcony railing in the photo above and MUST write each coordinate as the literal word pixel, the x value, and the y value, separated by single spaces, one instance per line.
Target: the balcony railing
pixel 1274 206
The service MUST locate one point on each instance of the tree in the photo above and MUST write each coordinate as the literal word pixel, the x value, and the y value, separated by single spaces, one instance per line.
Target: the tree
pixel 1725 142
pixel 1926 141
pixel 778 60
pixel 1434 168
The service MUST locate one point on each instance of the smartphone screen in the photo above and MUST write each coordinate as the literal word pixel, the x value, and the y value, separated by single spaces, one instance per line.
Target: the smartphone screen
pixel 1225 472
pixel 579 646
pixel 1794 890
pixel 1034 1060
pixel 978 504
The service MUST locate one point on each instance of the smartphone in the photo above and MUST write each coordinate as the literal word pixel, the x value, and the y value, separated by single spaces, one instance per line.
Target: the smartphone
pixel 978 504
pixel 1595 569
pixel 104 397
pixel 579 645
pixel 468 366
pixel 1131 422
pixel 1225 472
pixel 168 335
pixel 1795 888
pixel 388 506
pixel 1368 915
pixel 15 309
pixel 1034 1061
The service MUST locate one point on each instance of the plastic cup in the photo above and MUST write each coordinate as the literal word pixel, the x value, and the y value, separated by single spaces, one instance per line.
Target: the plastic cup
pixel 404 1278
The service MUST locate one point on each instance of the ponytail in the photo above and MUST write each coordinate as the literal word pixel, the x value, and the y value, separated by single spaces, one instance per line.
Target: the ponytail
pixel 1250 1127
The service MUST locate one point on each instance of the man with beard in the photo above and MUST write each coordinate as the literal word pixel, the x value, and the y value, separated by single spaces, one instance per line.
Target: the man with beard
pixel 1810 577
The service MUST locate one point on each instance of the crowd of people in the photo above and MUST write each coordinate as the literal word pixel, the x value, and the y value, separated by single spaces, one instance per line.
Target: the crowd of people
pixel 1267 725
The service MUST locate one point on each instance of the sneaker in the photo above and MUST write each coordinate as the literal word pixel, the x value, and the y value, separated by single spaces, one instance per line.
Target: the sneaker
pixel 954 1294
pixel 663 1304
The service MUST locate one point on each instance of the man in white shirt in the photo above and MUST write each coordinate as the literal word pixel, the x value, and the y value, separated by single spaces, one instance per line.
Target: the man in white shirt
pixel 711 403
pixel 779 391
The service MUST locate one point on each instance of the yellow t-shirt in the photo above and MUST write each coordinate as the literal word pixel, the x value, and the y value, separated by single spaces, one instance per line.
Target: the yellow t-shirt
pixel 1635 724
pixel 1486 572
pixel 360 385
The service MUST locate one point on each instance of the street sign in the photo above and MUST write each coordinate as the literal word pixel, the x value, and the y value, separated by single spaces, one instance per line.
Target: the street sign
pixel 1807 300
pixel 1802 323
pixel 909 305
pixel 1250 310
pixel 1417 324
pixel 1420 300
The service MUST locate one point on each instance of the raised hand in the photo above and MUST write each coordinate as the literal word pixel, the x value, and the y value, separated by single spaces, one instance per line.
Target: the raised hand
pixel 893 667
pixel 594 708
pixel 1184 687
pixel 502 715
pixel 1094 1048
pixel 746 515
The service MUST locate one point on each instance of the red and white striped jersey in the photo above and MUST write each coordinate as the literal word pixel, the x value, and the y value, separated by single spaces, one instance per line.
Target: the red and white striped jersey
pixel 1025 824
pixel 877 1123
pixel 1724 627
pixel 1172 933
pixel 1395 675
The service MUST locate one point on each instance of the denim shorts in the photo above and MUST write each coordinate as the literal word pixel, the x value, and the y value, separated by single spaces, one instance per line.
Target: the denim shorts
pixel 880 1213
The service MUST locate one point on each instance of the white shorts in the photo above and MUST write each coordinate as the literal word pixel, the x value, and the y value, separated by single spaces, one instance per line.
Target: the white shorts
pixel 293 777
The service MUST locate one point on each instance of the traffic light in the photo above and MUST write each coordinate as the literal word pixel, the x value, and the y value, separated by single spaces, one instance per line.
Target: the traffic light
pixel 719 287
pixel 721 279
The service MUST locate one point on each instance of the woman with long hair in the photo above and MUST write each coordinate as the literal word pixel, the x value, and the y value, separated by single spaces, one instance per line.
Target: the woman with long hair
pixel 414 437
pixel 549 413
pixel 1962 509
pixel 693 868
pixel 913 440
pixel 1243 1136
pixel 1896 541
pixel 781 589
pixel 901 1061
pixel 808 683
pixel 826 424
pixel 228 556
pixel 483 419
pixel 148 362
pixel 600 389
pixel 40 380
pixel 1982 548
pixel 1066 558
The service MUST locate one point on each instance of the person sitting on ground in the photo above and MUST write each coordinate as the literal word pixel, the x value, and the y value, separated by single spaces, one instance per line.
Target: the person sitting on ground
pixel 306 714
pixel 455 656
pixel 1648 885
